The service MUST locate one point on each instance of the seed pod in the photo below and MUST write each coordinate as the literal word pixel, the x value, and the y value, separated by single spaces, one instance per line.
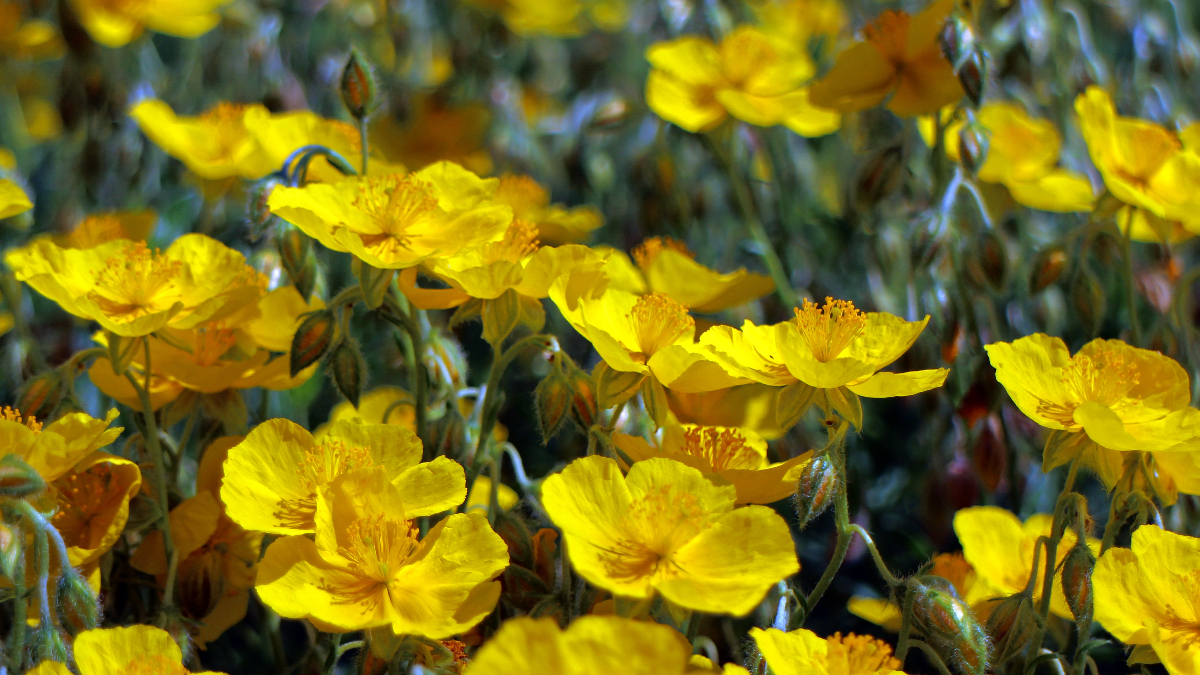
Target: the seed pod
pixel 815 489
pixel 1048 266
pixel 360 93
pixel 349 369
pixel 40 395
pixel 973 145
pixel 297 259
pixel 553 401
pixel 1077 581
pixel 10 551
pixel 18 479
pixel 972 77
pixel 312 339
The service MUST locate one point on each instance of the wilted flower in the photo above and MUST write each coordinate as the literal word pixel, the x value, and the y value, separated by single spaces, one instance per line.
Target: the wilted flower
pixel 666 529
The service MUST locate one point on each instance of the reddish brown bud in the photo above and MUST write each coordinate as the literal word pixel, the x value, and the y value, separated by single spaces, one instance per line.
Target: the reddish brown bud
pixel 1077 580
pixel 973 145
pixel 584 409
pixel 815 489
pixel 1048 266
pixel 40 395
pixel 360 93
pixel 553 401
pixel 349 369
pixel 312 339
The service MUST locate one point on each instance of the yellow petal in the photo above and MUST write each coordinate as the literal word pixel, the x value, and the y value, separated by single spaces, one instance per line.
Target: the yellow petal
pixel 701 288
pixel 1058 190
pixel 1025 368
pixel 13 199
pixel 860 79
pixel 886 385
pixel 432 487
pixel 693 107
pixel 116 649
pixel 799 652
pixel 294 580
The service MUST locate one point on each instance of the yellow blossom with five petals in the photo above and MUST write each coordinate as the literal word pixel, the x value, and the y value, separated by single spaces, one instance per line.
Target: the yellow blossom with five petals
pixel 666 529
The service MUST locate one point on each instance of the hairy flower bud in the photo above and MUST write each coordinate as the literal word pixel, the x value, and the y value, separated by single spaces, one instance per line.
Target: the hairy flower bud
pixel 373 281
pixel 41 395
pixel 50 643
pixel 1048 266
pixel 1077 580
pixel 815 489
pixel 359 91
pixel 948 624
pixel 77 602
pixel 349 369
pixel 973 146
pixel 18 479
pixel 297 259
pixel 956 39
pixel 312 339
pixel 1011 625
pixel 972 75
pixel 553 401
pixel 584 409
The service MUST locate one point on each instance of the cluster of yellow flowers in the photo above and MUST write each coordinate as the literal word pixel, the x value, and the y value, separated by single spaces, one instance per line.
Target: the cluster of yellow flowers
pixel 391 521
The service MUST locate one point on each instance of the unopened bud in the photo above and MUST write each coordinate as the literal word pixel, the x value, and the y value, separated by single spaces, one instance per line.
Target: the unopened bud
pixel 815 489
pixel 1048 266
pixel 879 176
pixel 349 369
pixel 946 621
pixel 956 40
pixel 41 395
pixel 312 339
pixel 18 479
pixel 1077 581
pixel 77 602
pixel 1011 625
pixel 297 259
pixel 11 552
pixel 553 401
pixel 50 643
pixel 614 387
pixel 360 93
pixel 121 351
pixel 584 409
pixel 612 114
pixel 973 146
pixel 989 262
pixel 972 77
pixel 1089 300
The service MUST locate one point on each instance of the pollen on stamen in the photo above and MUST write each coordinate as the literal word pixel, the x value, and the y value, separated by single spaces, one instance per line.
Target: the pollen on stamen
pixel 136 282
pixel 520 240
pixel 1105 377
pixel 659 321
pixel 831 328
pixel 866 654
pixel 724 448
pixel 212 344
pixel 396 203
pixel 645 252
pixel 14 415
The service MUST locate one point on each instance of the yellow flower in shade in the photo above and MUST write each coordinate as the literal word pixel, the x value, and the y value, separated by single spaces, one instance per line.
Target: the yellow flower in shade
pixel 591 644
pixel 368 568
pixel 215 144
pixel 133 290
pixel 834 347
pixel 1000 548
pixel 558 18
pixel 666 529
pixel 801 652
pixel 232 354
pixel 132 650
pixel 116 23
pixel 92 502
pixel 1107 399
pixel 101 228
pixel 664 265
pixel 435 131
pixel 398 221
pixel 899 61
pixel 272 478
pixel 556 224
pixel 1143 164
pixel 480 496
pixel 217 558
pixel 746 406
pixel 55 449
pixel 13 200
pixel 393 402
pixel 754 77
pixel 1023 156
pixel 650 334
pixel 949 566
pixel 27 40
pixel 1148 596
pixel 726 455
pixel 280 134
pixel 799 21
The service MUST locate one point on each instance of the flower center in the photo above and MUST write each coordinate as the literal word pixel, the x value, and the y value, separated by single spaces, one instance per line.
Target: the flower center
pixel 654 527
pixel 724 448
pixel 1105 378
pixel 321 464
pixel 212 344
pixel 829 329
pixel 520 240
pixel 14 415
pixel 889 35
pixel 226 121
pixel 866 654
pixel 396 204
pixel 645 252
pixel 378 547
pixel 525 195
pixel 82 498
pixel 137 282
pixel 658 322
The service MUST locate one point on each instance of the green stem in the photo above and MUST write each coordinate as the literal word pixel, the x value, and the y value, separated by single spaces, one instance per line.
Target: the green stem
pixel 841 514
pixel 879 564
pixel 188 428
pixel 331 658
pixel 366 149
pixel 407 318
pixel 933 656
pixel 1056 534
pixel 491 405
pixel 16 639
pixel 353 644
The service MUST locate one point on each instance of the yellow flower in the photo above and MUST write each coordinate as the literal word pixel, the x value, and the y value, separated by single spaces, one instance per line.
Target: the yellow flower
pixel 726 455
pixel 28 40
pixel 368 567
pixel 591 644
pixel 481 495
pixel 558 18
pixel 1000 548
pixel 666 529
pixel 754 77
pixel 1107 399
pixel 101 228
pixel 1023 156
pixel 1148 596
pixel 272 479
pixel 649 334
pixel 132 650
pixel 280 134
pixel 666 266
pixel 13 199
pixel 801 652
pixel 213 145
pixel 217 558
pixel 799 21
pixel 132 290
pixel 1142 164
pixel 437 131
pixel 747 406
pixel 92 502
pixel 397 221
pixel 57 448
pixel 556 224
pixel 949 566
pixel 372 407
pixel 834 347
pixel 116 23
pixel 232 354
pixel 899 57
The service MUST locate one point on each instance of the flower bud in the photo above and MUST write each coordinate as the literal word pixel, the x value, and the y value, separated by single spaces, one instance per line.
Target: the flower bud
pixel 1011 625
pixel 614 387
pixel 11 552
pixel 1077 580
pixel 77 602
pixel 815 489
pixel 297 259
pixel 1048 266
pixel 879 176
pixel 40 395
pixel 349 369
pixel 990 262
pixel 359 91
pixel 259 216
pixel 584 409
pixel 1089 300
pixel 50 643
pixel 553 401
pixel 957 39
pixel 121 351
pixel 946 621
pixel 312 339
pixel 972 76
pixel 973 145
pixel 18 479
